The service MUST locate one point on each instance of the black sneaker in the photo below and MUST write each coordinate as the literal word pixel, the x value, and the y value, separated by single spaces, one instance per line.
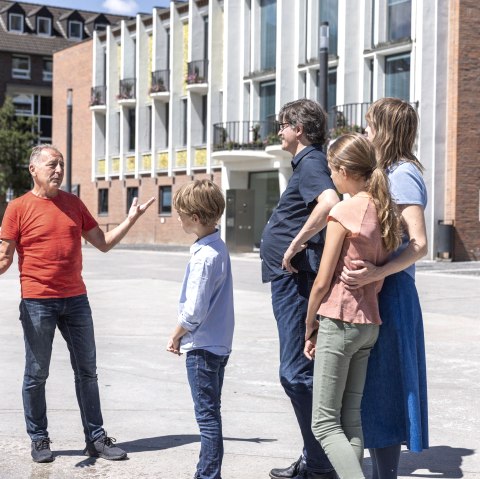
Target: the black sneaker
pixel 103 447
pixel 41 450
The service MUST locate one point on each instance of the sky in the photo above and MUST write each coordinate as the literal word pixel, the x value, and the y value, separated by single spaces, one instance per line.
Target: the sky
pixel 119 7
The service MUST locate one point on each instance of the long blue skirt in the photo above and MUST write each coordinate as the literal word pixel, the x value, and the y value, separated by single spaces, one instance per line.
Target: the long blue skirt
pixel 394 405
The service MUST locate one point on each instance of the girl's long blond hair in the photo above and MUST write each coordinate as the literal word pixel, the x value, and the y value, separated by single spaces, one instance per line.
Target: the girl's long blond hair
pixel 394 122
pixel 357 155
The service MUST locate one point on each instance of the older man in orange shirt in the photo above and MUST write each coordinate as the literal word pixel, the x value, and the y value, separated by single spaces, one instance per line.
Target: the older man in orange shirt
pixel 45 226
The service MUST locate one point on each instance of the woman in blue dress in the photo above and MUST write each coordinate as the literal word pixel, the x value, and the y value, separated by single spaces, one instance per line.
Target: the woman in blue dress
pixel 394 405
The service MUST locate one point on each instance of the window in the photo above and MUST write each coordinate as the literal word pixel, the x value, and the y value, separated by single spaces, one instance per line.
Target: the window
pixel 329 13
pixel 332 88
pixel 47 69
pixel 75 29
pixel 205 37
pixel 131 129
pixel 100 27
pixel 21 67
pixel 132 192
pixel 204 119
pixel 148 131
pixel 103 201
pixel 23 105
pixel 41 108
pixel 267 109
pixel 165 203
pixel 184 121
pixel 397 76
pixel 399 19
pixel 268 32
pixel 15 21
pixel 44 26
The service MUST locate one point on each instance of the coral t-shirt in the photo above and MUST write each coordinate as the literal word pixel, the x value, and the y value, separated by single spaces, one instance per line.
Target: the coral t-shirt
pixel 48 235
pixel 363 241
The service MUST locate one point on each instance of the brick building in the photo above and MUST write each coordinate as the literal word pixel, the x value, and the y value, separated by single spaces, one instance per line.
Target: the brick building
pixel 192 91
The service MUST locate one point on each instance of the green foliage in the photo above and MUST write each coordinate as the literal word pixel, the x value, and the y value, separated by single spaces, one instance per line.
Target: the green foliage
pixel 17 136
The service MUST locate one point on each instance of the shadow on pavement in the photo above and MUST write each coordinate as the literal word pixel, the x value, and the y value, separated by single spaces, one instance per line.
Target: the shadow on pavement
pixel 166 442
pixel 443 462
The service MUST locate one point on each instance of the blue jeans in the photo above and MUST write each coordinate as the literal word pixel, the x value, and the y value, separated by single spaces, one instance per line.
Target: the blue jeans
pixel 290 300
pixel 205 373
pixel 73 316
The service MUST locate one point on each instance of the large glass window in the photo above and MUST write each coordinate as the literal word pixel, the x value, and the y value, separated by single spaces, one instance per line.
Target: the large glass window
pixel 204 119
pixel 44 26
pixel 103 201
pixel 165 203
pixel 329 13
pixel 15 22
pixel 21 67
pixel 184 121
pixel 397 76
pixel 399 19
pixel 268 32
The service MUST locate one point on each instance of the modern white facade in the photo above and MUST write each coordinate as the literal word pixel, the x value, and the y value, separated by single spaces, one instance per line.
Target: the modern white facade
pixel 195 88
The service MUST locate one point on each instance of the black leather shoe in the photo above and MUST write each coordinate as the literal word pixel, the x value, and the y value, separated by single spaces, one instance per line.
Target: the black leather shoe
pixel 290 472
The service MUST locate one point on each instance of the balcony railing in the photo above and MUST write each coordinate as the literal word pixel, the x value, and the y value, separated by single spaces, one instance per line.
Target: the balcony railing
pixel 98 95
pixel 350 117
pixel 347 118
pixel 197 72
pixel 160 81
pixel 245 135
pixel 127 89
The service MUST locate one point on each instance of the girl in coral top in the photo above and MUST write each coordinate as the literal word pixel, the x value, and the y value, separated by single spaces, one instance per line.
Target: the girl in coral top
pixel 365 226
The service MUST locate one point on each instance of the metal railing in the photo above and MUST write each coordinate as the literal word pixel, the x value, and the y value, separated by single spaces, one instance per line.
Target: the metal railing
pixel 245 135
pixel 98 95
pixel 160 81
pixel 197 72
pixel 350 118
pixel 126 89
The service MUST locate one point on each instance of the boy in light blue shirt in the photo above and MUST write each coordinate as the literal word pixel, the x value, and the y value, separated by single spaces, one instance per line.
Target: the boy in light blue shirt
pixel 205 324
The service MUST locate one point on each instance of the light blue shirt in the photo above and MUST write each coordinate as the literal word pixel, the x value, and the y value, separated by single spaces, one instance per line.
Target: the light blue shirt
pixel 206 302
pixel 407 188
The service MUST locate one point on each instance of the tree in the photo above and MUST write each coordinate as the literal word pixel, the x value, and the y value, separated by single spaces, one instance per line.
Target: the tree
pixel 17 136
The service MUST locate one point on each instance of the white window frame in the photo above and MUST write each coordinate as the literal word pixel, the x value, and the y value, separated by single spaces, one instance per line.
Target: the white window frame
pixel 25 99
pixel 49 28
pixel 22 20
pixel 46 75
pixel 70 24
pixel 19 72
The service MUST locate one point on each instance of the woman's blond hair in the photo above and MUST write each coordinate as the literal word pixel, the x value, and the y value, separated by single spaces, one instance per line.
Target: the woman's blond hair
pixel 357 155
pixel 202 198
pixel 395 123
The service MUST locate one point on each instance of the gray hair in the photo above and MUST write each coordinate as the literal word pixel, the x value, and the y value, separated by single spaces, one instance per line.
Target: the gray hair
pixel 37 151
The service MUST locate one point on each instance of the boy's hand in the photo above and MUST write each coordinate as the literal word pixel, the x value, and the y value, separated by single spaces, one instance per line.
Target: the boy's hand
pixel 173 346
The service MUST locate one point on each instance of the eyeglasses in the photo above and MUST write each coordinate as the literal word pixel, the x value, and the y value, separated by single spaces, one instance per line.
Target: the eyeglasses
pixel 282 126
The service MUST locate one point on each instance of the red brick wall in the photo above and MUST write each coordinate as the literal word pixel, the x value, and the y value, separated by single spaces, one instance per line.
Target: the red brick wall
pixel 463 120
pixel 73 69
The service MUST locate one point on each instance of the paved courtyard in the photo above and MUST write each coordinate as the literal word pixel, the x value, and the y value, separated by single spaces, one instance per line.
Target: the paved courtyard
pixel 146 400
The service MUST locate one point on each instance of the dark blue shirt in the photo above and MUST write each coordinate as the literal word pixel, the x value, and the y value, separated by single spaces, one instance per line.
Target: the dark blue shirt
pixel 310 178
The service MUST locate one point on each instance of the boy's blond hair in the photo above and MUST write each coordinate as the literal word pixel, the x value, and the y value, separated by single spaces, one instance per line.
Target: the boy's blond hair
pixel 202 198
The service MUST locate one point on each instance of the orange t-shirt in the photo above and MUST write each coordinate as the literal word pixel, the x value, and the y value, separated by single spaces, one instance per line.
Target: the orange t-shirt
pixel 363 241
pixel 48 235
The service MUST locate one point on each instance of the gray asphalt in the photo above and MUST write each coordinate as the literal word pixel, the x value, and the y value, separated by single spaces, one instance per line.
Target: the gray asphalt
pixel 146 401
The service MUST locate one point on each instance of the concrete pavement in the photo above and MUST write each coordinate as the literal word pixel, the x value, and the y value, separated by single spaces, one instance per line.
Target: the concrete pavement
pixel 146 401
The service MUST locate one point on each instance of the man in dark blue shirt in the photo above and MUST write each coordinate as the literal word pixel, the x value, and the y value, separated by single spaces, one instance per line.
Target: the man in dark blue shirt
pixel 291 248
